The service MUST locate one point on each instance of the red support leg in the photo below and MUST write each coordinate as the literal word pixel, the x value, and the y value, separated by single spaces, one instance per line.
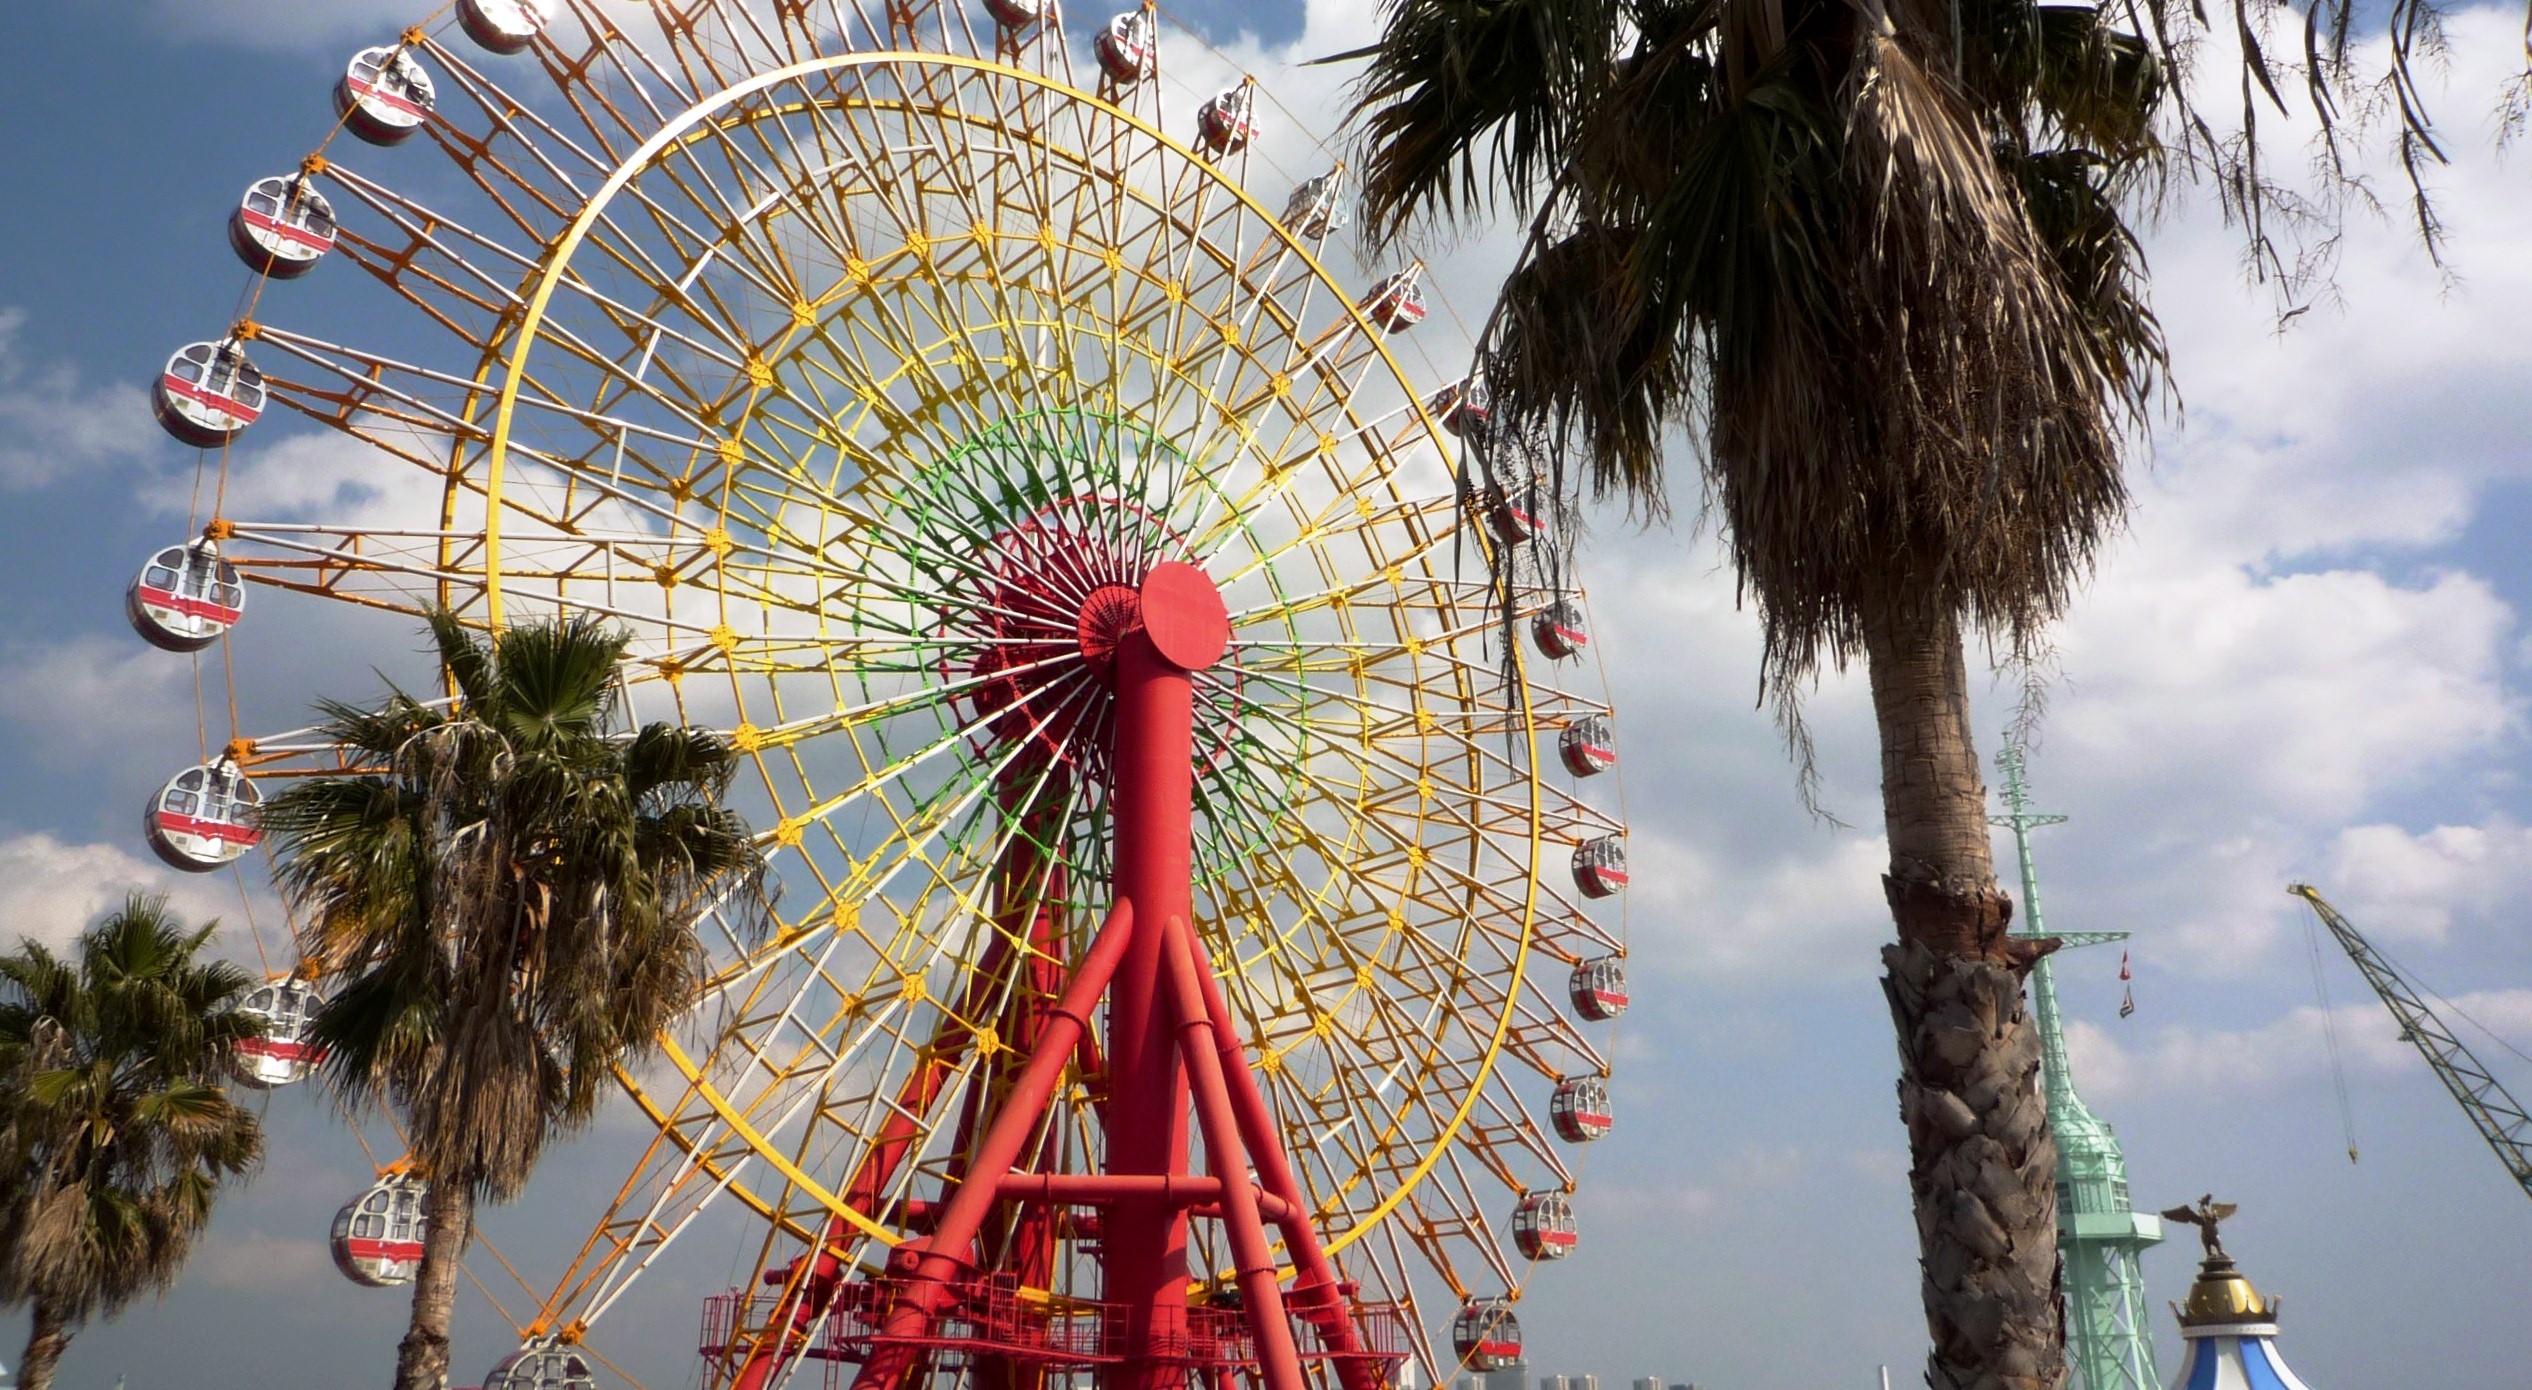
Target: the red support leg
pixel 1278 1360
pixel 928 1266
pixel 1318 1292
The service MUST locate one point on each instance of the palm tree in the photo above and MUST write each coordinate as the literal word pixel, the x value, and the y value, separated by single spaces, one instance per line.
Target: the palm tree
pixel 1873 256
pixel 115 1134
pixel 504 910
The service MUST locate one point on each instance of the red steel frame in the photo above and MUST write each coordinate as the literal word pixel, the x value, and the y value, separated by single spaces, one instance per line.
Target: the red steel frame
pixel 1172 1052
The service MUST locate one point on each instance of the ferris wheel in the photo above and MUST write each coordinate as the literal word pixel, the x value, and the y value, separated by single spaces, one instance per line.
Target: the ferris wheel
pixel 1167 752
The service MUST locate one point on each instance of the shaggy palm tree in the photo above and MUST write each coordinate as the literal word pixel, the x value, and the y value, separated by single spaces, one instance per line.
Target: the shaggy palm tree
pixel 504 911
pixel 114 1132
pixel 1872 256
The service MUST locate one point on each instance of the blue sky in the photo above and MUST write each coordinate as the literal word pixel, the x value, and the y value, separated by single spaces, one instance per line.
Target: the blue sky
pixel 2307 659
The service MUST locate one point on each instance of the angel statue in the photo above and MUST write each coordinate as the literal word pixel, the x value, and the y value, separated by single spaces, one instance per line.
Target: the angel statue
pixel 2204 1216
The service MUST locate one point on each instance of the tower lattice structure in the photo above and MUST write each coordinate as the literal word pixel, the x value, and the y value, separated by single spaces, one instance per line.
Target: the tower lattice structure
pixel 2108 1338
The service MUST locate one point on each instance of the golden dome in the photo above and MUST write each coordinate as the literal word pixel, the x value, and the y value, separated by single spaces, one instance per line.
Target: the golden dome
pixel 2222 1295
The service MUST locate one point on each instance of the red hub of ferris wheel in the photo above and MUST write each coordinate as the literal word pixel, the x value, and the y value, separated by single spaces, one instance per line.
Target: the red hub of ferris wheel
pixel 1172 1053
pixel 1063 592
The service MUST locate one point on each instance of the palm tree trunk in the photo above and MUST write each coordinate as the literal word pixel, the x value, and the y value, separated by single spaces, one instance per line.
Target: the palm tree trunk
pixel 422 1358
pixel 1982 1163
pixel 46 1340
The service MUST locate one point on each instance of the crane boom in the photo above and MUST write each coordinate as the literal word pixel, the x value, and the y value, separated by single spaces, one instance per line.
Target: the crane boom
pixel 2500 1118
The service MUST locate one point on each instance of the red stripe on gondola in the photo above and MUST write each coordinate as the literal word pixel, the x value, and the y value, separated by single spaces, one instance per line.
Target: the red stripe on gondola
pixel 388 99
pixel 399 1251
pixel 279 1049
pixel 208 829
pixel 190 607
pixel 1607 997
pixel 286 231
pixel 226 405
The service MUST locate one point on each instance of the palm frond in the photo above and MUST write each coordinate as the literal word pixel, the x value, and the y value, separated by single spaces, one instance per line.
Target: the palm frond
pixel 115 1132
pixel 506 911
pixel 1469 103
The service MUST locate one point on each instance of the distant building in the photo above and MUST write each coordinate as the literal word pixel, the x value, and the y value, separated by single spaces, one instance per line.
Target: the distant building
pixel 1554 1383
pixel 1513 1377
pixel 1585 1381
pixel 1648 1383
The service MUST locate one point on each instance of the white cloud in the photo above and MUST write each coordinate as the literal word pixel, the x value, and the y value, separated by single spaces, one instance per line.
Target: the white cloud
pixel 2395 884
pixel 2310 693
pixel 285 25
pixel 323 477
pixel 1673 1201
pixel 2214 729
pixel 1880 1166
pixel 2214 1064
pixel 2290 638
pixel 260 1263
pixel 98 698
pixel 50 889
pixel 1692 1196
pixel 1813 912
pixel 53 425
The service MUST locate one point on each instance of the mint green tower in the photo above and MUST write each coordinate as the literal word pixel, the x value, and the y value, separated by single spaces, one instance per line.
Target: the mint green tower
pixel 2108 1336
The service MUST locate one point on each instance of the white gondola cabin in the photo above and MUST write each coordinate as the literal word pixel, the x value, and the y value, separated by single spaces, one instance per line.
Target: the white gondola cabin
pixel 1016 14
pixel 1314 210
pixel 282 227
pixel 1600 866
pixel 504 26
pixel 208 393
pixel 1460 412
pixel 185 597
pixel 204 817
pixel 542 1365
pixel 1560 631
pixel 283 1054
pixel 1127 50
pixel 1579 1108
pixel 385 95
pixel 1543 1226
pixel 1598 988
pixel 1486 1336
pixel 1397 302
pixel 1512 512
pixel 1228 122
pixel 378 1234
pixel 1588 746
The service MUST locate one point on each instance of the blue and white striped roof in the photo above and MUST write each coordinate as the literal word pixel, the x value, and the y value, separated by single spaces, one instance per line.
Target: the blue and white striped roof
pixel 2234 1359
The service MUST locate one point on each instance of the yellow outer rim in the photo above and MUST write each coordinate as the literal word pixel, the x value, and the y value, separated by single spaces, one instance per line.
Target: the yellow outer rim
pixel 523 340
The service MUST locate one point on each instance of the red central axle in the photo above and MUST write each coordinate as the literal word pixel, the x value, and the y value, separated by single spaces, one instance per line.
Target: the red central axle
pixel 1171 1045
